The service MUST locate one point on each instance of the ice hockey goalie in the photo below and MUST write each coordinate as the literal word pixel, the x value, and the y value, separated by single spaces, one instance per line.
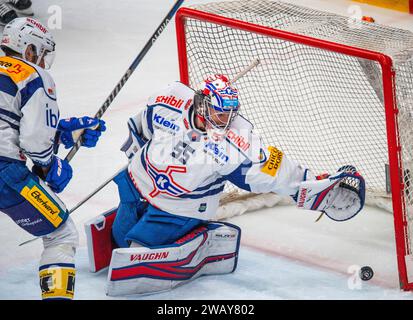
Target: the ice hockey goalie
pixel 183 147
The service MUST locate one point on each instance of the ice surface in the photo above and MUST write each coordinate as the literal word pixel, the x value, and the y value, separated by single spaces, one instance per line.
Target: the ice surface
pixel 284 254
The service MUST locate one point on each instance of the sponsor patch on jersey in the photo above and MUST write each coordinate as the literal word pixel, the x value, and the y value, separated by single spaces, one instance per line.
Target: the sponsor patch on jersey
pixel 238 140
pixel 217 152
pixel 170 101
pixel 43 204
pixel 274 162
pixel 164 123
pixel 17 70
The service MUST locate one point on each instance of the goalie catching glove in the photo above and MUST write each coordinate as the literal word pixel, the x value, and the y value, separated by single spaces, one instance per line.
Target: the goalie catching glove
pixel 340 196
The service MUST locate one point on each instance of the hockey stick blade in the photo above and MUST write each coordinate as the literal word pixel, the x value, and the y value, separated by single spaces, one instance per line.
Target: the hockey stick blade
pixel 128 73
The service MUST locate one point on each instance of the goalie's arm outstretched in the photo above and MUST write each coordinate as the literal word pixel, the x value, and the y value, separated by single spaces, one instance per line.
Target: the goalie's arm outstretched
pixel 340 196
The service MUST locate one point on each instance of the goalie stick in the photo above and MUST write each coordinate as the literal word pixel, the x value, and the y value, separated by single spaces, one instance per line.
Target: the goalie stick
pixel 239 75
pixel 127 75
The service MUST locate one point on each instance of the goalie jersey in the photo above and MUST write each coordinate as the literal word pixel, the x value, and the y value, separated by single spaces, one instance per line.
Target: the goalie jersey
pixel 179 169
pixel 28 112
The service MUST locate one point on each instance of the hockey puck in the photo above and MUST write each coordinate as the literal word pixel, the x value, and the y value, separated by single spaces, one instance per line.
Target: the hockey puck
pixel 366 273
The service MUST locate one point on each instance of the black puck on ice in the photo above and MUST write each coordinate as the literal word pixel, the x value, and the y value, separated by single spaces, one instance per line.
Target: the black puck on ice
pixel 366 273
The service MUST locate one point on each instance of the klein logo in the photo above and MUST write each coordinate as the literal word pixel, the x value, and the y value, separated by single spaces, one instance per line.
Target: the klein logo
pixel 216 152
pixel 165 123
pixel 170 100
pixel 149 256
pixel 302 198
pixel 238 140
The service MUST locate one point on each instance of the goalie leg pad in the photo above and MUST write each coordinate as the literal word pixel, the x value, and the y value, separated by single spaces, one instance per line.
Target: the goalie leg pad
pixel 207 250
pixel 99 240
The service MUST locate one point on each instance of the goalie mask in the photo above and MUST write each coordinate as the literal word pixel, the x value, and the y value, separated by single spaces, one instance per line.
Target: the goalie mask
pixel 217 105
pixel 21 33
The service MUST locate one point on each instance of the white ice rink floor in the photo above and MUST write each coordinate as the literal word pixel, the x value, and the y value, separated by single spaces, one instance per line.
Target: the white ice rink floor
pixel 284 254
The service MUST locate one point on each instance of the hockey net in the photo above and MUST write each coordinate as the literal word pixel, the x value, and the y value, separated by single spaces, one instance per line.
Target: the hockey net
pixel 329 91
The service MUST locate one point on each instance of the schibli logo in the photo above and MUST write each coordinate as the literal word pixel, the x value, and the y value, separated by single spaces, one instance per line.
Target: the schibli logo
pixel 238 140
pixel 170 101
pixel 149 256
pixel 303 196
pixel 38 25
pixel 165 123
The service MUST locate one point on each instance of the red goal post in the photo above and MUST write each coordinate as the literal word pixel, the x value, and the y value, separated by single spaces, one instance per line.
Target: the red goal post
pixel 389 94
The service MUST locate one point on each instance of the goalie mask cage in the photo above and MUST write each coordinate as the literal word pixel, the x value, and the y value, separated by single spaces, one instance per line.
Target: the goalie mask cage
pixel 329 91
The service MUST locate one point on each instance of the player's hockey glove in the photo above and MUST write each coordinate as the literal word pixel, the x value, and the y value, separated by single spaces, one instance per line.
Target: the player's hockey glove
pixel 59 174
pixel 71 128
pixel 340 196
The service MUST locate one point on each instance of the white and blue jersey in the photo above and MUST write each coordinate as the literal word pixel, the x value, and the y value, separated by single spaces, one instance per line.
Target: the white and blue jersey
pixel 29 113
pixel 180 170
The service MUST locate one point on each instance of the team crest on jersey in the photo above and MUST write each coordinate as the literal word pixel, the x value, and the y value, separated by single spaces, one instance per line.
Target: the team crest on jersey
pixel 163 181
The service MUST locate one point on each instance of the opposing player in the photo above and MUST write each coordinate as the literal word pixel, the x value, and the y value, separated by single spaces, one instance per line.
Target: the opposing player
pixel 30 128
pixel 183 147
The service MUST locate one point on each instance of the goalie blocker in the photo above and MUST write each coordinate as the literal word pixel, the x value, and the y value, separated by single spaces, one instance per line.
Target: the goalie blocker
pixel 207 250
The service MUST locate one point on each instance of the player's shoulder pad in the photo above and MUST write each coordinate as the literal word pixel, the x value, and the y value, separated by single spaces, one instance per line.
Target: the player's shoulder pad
pixel 242 137
pixel 18 70
pixel 23 72
pixel 176 97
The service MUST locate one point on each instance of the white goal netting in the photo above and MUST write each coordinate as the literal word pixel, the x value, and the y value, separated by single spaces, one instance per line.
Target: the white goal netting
pixel 322 108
